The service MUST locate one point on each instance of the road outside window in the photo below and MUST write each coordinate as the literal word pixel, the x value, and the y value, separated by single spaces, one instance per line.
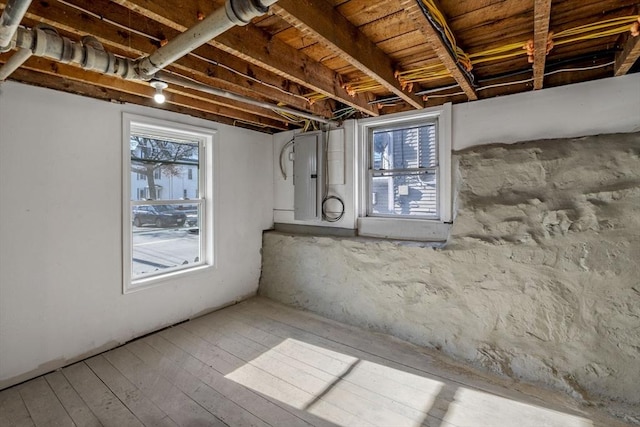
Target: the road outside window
pixel 167 229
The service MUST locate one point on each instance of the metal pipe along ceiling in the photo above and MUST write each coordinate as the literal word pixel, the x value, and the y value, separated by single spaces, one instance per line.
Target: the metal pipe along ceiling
pixel 93 57
pixel 13 13
pixel 16 60
pixel 185 82
pixel 235 12
pixel 90 55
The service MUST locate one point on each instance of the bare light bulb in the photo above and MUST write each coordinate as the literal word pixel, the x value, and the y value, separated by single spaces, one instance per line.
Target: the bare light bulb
pixel 159 97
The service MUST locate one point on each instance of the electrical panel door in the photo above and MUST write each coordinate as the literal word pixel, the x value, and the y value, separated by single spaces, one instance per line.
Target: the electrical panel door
pixel 308 178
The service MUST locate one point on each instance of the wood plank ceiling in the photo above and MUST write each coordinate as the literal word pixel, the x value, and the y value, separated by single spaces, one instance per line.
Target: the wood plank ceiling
pixel 343 58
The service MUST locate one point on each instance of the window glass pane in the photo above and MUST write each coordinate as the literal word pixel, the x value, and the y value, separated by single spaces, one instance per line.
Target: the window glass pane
pixel 163 170
pixel 408 194
pixel 405 148
pixel 165 237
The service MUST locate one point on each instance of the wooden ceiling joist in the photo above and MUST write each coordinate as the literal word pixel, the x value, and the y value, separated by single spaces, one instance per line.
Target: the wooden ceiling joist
pixel 414 12
pixel 542 14
pixel 628 55
pixel 181 97
pixel 325 24
pixel 303 53
pixel 243 80
pixel 259 48
pixel 55 82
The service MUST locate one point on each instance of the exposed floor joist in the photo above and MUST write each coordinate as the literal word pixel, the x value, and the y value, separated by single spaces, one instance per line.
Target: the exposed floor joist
pixel 542 14
pixel 264 51
pixel 435 41
pixel 312 55
pixel 88 89
pixel 627 56
pixel 115 35
pixel 177 96
pixel 324 23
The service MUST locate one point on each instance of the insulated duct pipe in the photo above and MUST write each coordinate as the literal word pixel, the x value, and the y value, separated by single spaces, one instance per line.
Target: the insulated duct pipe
pixel 235 12
pixel 16 60
pixel 191 84
pixel 13 13
pixel 89 53
pixel 92 56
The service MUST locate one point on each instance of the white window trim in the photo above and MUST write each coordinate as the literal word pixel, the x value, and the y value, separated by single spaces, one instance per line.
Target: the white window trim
pixel 423 229
pixel 208 183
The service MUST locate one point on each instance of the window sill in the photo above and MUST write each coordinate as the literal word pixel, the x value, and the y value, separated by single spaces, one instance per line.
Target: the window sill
pixel 404 229
pixel 153 281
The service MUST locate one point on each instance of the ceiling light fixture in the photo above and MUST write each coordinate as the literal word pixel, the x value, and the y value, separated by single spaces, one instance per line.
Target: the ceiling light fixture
pixel 159 86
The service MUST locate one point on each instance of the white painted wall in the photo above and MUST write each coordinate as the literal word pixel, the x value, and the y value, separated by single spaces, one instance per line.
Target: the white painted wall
pixel 591 108
pixel 60 230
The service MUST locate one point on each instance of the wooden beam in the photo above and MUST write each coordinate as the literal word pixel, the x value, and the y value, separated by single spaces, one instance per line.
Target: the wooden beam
pixel 541 16
pixel 182 97
pixel 259 48
pixel 415 13
pixel 108 22
pixel 628 55
pixel 62 84
pixel 324 23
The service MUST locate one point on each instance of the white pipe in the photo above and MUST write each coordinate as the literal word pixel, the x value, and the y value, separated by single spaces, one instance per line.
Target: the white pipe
pixel 191 84
pixel 88 54
pixel 47 43
pixel 13 13
pixel 235 12
pixel 16 60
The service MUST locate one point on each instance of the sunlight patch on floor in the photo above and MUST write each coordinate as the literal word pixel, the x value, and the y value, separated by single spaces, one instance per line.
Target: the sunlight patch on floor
pixel 478 409
pixel 337 387
pixel 349 391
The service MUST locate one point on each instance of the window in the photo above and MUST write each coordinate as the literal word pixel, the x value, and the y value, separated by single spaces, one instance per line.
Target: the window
pixel 406 175
pixel 403 171
pixel 163 234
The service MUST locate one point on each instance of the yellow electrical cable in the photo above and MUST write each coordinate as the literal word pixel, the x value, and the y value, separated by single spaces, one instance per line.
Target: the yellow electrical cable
pixel 592 31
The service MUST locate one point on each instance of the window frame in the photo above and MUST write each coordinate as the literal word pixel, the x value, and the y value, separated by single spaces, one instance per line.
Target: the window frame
pixel 407 227
pixel 206 139
pixel 391 172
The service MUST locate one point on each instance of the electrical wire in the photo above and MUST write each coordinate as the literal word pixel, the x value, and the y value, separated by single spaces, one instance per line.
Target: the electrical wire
pixel 156 39
pixel 566 70
pixel 589 31
pixel 326 196
pixel 431 72
pixel 437 89
pixel 549 73
pixel 446 95
pixel 282 150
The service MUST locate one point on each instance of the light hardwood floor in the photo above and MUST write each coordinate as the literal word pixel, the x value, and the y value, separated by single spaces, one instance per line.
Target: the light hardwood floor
pixel 260 363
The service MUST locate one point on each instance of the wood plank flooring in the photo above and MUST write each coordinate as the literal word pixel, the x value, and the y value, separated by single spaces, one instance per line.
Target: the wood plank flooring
pixel 260 363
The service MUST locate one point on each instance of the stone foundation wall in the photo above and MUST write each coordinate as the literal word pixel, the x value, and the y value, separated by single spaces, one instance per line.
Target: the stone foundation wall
pixel 540 279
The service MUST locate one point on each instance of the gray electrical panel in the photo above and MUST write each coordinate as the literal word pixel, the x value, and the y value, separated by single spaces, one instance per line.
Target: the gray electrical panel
pixel 308 178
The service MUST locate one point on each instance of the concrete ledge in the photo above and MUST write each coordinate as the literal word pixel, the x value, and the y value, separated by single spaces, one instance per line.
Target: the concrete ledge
pixel 314 230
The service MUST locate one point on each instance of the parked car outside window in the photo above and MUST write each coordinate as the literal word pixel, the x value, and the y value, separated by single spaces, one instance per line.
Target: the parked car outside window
pixel 158 215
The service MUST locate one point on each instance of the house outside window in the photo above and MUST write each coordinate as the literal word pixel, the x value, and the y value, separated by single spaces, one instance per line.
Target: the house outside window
pixel 165 235
pixel 405 175
pixel 403 171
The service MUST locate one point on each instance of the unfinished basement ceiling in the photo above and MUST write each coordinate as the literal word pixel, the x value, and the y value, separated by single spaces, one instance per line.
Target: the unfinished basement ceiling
pixel 342 58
